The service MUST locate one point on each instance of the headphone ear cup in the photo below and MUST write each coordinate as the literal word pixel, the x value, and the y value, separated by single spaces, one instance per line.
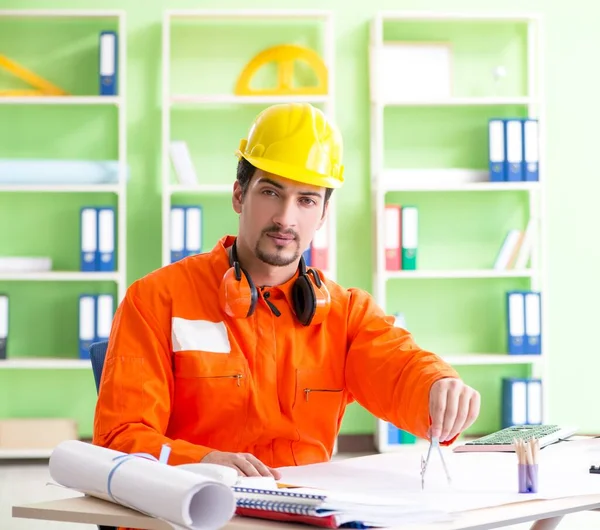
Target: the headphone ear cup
pixel 304 300
pixel 311 299
pixel 238 298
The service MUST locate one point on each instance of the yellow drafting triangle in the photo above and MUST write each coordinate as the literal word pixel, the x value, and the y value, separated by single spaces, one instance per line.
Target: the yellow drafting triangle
pixel 284 55
pixel 43 86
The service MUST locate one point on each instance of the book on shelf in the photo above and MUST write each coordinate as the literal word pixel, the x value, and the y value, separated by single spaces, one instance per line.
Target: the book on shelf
pixel 185 172
pixel 515 251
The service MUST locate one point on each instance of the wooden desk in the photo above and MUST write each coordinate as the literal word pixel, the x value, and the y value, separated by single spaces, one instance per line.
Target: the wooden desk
pixel 89 510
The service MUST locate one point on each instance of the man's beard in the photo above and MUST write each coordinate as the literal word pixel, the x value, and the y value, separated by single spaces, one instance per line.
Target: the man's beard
pixel 277 259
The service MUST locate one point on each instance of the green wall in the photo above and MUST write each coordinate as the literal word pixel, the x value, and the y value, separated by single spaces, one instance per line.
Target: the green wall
pixel 44 324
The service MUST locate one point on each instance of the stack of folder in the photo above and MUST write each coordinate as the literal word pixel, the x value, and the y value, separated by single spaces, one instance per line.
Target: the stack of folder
pixel 96 313
pixel 524 322
pixel 97 227
pixel 329 509
pixel 513 149
pixel 401 228
pixel 186 231
pixel 521 401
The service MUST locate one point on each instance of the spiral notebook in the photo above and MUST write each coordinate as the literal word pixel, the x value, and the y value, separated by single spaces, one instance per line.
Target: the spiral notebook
pixel 331 510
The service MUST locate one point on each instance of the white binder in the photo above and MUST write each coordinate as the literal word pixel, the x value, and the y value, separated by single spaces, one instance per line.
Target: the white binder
pixel 89 239
pixel 177 233
pixel 3 325
pixel 104 311
pixel 193 230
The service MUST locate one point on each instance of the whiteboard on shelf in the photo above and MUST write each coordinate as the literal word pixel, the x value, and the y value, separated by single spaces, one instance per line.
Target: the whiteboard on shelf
pixel 414 70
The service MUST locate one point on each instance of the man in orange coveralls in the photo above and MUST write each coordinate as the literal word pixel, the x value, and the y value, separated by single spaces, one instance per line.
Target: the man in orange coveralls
pixel 241 356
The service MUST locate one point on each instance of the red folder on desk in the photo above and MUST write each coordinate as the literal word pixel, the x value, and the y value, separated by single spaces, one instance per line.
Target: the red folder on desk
pixel 323 522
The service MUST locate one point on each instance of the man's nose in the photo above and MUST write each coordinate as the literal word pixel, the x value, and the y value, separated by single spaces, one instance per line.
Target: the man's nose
pixel 285 216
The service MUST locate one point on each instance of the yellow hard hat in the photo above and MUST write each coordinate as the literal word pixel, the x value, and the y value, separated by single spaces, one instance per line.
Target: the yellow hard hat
pixel 295 141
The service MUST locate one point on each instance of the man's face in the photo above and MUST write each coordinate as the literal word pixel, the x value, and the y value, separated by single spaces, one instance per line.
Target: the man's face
pixel 278 217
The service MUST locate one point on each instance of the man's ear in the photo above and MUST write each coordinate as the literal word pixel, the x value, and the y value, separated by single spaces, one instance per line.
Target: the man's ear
pixel 236 199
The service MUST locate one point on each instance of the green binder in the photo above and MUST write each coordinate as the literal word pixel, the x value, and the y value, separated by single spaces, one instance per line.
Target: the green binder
pixel 410 231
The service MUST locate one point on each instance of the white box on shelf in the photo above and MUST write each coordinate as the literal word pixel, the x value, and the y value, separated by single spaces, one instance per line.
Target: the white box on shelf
pixel 414 70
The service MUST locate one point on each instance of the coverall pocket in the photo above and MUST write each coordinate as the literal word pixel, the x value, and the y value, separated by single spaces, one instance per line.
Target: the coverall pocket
pixel 318 408
pixel 211 397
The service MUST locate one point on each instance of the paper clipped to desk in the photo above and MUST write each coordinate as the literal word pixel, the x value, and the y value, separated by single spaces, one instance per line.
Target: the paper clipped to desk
pixel 166 492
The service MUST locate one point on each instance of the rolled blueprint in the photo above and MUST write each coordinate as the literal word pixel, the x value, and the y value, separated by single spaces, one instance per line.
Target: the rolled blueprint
pixel 180 497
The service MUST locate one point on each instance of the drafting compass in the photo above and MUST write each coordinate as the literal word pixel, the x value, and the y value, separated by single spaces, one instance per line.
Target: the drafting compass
pixel 434 442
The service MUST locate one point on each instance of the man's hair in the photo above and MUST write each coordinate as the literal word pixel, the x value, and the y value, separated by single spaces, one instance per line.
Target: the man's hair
pixel 245 171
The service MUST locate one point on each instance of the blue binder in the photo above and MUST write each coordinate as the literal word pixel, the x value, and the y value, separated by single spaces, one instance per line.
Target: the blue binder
pixel 177 233
pixel 193 230
pixel 496 150
pixel 87 324
pixel 105 256
pixel 515 319
pixel 88 227
pixel 531 150
pixel 533 323
pixel 108 59
pixel 522 401
pixel 104 316
pixel 514 149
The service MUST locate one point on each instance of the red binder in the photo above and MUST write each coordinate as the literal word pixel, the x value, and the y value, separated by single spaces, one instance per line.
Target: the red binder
pixel 393 237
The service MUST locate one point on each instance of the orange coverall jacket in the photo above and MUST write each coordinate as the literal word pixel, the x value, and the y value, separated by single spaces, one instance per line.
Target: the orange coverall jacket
pixel 180 371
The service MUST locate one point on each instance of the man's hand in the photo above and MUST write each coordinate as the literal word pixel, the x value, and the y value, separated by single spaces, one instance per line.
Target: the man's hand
pixel 244 463
pixel 453 407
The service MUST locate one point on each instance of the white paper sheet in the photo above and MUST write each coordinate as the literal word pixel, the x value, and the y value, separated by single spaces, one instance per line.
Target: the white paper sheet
pixel 479 480
pixel 184 499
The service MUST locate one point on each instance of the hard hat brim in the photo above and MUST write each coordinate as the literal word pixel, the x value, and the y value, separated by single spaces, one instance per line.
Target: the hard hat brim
pixel 293 172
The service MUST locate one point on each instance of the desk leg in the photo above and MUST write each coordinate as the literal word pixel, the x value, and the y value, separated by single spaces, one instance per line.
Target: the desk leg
pixel 547 524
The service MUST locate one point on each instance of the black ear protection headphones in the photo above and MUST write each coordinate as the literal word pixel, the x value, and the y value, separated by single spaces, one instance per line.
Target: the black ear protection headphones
pixel 238 294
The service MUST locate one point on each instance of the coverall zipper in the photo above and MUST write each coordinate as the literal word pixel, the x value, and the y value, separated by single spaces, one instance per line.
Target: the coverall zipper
pixel 236 376
pixel 307 391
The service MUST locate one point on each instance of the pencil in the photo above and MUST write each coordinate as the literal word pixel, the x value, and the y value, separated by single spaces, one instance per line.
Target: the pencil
pixel 529 452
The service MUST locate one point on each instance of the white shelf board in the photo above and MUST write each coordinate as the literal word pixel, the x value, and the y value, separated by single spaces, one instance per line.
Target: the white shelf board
pixel 476 359
pixel 60 13
pixel 60 100
pixel 37 363
pixel 201 188
pixel 18 454
pixel 247 13
pixel 457 101
pixel 233 99
pixel 398 16
pixel 60 188
pixel 60 276
pixel 473 186
pixel 457 274
pixel 442 179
